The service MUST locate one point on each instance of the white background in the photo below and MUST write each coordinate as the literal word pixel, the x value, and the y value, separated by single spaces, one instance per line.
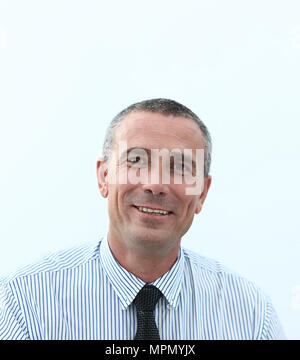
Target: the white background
pixel 67 67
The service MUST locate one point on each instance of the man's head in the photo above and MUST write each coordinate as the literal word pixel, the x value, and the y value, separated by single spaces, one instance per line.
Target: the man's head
pixel 148 215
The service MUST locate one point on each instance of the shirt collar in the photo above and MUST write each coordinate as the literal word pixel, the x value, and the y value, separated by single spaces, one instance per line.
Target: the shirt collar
pixel 126 285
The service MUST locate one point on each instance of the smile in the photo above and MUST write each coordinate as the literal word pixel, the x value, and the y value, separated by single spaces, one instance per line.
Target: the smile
pixel 158 212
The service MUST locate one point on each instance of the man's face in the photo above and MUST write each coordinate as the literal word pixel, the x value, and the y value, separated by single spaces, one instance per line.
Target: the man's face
pixel 130 225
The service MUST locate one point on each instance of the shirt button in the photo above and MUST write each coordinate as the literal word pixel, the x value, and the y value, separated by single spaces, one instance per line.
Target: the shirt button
pixel 169 307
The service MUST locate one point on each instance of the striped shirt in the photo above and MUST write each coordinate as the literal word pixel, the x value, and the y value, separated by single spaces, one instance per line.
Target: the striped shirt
pixel 83 293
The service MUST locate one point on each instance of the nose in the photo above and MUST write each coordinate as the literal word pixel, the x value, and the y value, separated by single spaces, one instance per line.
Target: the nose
pixel 157 183
pixel 156 189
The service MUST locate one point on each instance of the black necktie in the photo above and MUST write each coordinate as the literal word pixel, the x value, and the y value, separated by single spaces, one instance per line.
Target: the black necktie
pixel 145 302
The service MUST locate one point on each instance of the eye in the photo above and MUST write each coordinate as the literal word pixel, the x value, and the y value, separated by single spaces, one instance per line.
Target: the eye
pixel 181 167
pixel 136 160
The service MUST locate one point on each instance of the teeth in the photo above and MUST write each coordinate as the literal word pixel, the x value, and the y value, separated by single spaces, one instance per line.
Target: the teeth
pixel 159 212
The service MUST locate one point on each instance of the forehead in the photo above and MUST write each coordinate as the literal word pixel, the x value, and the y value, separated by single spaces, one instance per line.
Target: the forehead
pixel 156 131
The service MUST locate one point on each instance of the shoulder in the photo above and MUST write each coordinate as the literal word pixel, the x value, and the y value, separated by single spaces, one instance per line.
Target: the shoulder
pixel 211 272
pixel 61 260
pixel 239 299
pixel 204 263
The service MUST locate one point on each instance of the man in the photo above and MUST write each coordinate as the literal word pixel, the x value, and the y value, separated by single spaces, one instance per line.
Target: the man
pixel 137 282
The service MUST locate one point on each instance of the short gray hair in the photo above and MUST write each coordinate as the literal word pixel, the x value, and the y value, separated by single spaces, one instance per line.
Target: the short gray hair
pixel 162 106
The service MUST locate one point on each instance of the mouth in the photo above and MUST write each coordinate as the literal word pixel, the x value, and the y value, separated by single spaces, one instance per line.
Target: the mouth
pixel 153 211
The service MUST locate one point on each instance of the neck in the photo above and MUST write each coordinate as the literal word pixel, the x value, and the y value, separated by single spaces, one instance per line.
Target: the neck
pixel 147 265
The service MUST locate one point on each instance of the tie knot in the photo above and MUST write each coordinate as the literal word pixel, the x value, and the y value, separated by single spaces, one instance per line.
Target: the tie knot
pixel 147 298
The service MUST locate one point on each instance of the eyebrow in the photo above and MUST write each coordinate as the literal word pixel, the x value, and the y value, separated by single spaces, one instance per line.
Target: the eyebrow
pixel 148 151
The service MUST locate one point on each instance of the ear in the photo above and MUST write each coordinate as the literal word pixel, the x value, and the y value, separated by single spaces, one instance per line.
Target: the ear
pixel 206 186
pixel 102 171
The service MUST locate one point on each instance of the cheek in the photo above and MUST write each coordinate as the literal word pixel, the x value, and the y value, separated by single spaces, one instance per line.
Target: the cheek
pixel 191 206
pixel 117 195
pixel 187 201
